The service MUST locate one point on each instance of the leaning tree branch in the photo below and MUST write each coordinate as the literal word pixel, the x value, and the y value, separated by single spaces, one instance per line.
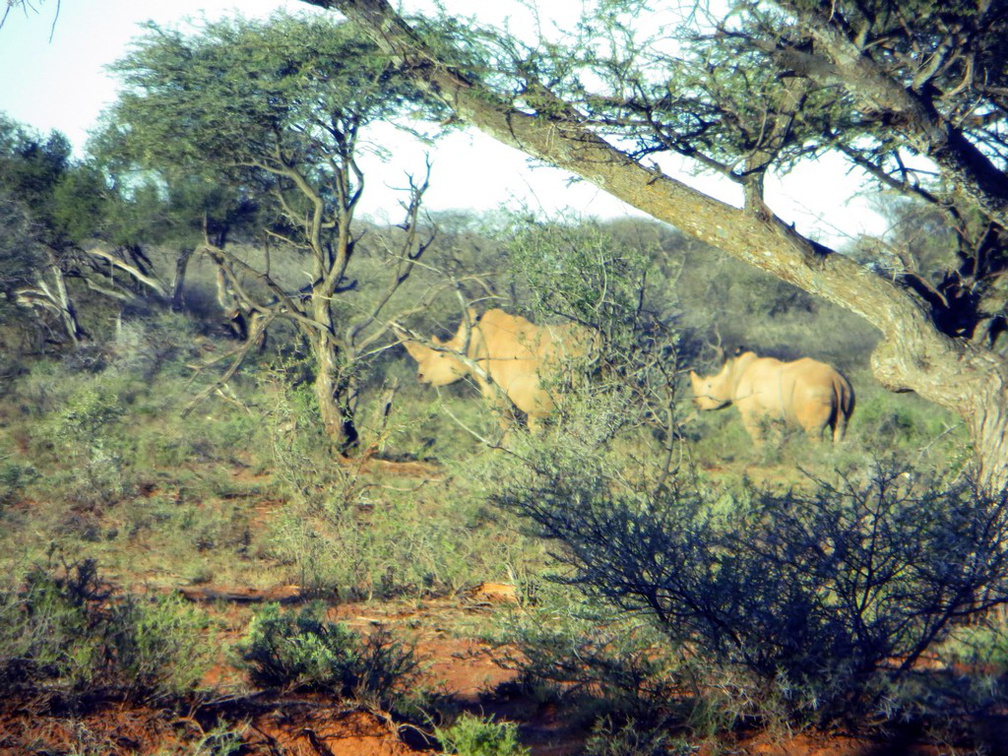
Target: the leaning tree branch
pixel 149 280
pixel 970 381
pixel 867 81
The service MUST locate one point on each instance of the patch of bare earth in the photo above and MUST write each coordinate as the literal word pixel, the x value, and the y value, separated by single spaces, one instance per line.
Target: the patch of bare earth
pixel 464 671
pixel 460 668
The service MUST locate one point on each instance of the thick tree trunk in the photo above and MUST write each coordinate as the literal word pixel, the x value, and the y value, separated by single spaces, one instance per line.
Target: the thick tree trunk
pixel 913 355
pixel 332 393
pixel 332 385
pixel 178 280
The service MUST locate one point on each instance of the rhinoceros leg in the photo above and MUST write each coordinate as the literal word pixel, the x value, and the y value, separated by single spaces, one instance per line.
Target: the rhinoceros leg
pixel 815 417
pixel 753 423
pixel 839 426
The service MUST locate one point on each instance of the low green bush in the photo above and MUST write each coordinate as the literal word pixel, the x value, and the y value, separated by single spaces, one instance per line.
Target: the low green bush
pixel 470 735
pixel 64 635
pixel 301 650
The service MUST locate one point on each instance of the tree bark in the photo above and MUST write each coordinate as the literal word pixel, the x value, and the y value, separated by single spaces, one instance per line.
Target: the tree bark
pixel 913 355
pixel 332 392
pixel 332 384
pixel 56 300
pixel 178 280
pixel 972 172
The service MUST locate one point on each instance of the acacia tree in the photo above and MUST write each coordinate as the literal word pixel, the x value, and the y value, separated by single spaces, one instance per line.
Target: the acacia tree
pixel 759 90
pixel 276 109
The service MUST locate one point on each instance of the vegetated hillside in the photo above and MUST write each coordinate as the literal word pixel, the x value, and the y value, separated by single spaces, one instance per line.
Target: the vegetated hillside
pixel 237 499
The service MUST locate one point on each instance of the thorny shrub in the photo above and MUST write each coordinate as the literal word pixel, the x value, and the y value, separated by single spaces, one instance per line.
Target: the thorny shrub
pixel 798 607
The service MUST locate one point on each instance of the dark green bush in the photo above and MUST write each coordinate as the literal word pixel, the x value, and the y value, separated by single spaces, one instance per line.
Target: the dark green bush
pixel 809 608
pixel 301 650
pixel 65 636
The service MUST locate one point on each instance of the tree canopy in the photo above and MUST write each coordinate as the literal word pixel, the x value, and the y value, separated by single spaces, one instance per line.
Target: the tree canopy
pixel 913 93
pixel 275 111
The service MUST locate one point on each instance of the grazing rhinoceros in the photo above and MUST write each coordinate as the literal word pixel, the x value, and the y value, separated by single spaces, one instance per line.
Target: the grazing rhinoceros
pixel 806 393
pixel 507 355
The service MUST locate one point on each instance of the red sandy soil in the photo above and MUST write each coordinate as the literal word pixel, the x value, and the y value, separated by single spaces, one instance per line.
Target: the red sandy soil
pixel 468 673
pixel 465 671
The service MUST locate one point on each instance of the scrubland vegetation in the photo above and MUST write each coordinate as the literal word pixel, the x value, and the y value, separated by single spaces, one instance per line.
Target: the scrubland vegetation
pixel 675 583
pixel 213 446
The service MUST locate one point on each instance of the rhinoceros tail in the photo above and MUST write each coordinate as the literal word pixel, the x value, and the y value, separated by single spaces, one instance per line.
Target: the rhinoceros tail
pixel 844 407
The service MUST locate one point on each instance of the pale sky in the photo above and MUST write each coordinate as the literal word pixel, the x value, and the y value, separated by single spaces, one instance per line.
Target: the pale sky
pixel 60 83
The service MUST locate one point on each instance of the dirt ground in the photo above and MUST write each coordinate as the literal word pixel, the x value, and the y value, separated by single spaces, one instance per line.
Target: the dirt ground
pixel 461 669
pixel 467 673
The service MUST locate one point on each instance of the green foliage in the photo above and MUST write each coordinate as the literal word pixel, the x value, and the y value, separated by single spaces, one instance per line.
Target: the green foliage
pixel 632 738
pixel 577 270
pixel 225 739
pixel 909 424
pixel 474 736
pixel 65 199
pixel 982 645
pixel 585 273
pixel 162 344
pixel 302 650
pixel 163 652
pixel 616 668
pixel 795 603
pixel 302 461
pixel 279 108
pixel 20 255
pixel 32 170
pixel 64 635
pixel 79 204
pixel 14 477
pixel 85 432
pixel 416 544
pixel 248 83
pixel 348 529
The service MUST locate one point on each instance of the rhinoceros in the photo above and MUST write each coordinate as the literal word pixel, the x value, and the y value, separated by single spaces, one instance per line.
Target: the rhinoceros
pixel 805 393
pixel 508 356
